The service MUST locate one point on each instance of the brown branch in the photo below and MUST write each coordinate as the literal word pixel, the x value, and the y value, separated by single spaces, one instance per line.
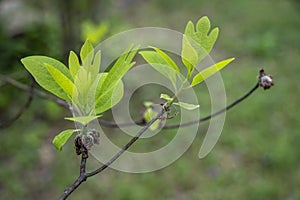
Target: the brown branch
pixel 8 122
pixel 83 175
pixel 203 119
pixel 81 178
pixel 37 92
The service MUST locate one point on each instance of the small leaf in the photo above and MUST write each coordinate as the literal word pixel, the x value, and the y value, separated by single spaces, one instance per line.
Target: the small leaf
pixel 87 53
pixel 201 76
pixel 189 55
pixel 36 66
pixel 62 138
pixel 167 59
pixel 119 69
pixel 189 29
pixel 65 83
pixel 160 65
pixel 198 42
pixel 84 120
pixel 165 97
pixel 109 98
pixel 96 63
pixel 203 25
pixel 149 114
pixel 187 106
pixel 74 64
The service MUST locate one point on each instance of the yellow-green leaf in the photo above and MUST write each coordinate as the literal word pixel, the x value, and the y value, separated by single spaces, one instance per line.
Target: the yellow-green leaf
pixel 167 59
pixel 118 70
pixel 201 76
pixel 64 82
pixel 189 55
pixel 110 98
pixel 62 138
pixel 36 66
pixel 87 53
pixel 84 120
pixel 74 64
pixel 187 106
pixel 160 65
pixel 96 63
pixel 165 97
pixel 149 114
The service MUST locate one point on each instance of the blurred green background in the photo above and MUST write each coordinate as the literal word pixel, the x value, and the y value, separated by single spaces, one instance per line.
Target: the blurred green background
pixel 257 155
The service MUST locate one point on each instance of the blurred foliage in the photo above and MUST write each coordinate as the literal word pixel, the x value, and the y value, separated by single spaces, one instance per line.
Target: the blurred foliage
pixel 257 156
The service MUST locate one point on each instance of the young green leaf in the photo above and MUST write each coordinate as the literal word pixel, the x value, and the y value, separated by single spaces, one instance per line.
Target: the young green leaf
pixel 160 65
pixel 149 114
pixel 96 63
pixel 86 91
pixel 189 29
pixel 201 76
pixel 109 98
pixel 197 44
pixel 62 138
pixel 189 55
pixel 119 69
pixel 65 83
pixel 84 120
pixel 74 64
pixel 87 53
pixel 167 59
pixel 36 66
pixel 165 97
pixel 187 106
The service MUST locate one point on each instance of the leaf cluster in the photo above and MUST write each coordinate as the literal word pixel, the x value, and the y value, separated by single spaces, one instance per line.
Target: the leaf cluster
pixel 81 84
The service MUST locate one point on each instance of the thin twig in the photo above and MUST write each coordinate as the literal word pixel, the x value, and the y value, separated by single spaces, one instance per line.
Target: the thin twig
pixel 214 114
pixel 203 119
pixel 83 176
pixel 37 92
pixel 8 122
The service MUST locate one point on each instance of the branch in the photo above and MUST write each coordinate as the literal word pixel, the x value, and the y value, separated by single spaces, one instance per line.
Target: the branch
pixel 265 81
pixel 236 102
pixel 81 178
pixel 30 89
pixel 141 122
pixel 37 92
pixel 83 175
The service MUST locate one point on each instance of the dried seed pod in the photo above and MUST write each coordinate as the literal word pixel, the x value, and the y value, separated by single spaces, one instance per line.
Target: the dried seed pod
pixel 265 81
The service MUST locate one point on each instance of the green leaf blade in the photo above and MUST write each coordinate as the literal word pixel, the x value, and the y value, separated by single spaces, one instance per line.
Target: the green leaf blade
pixel 201 76
pixel 36 66
pixel 96 63
pixel 74 64
pixel 60 139
pixel 119 69
pixel 167 59
pixel 189 55
pixel 165 97
pixel 84 120
pixel 87 53
pixel 109 98
pixel 187 106
pixel 65 83
pixel 159 64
